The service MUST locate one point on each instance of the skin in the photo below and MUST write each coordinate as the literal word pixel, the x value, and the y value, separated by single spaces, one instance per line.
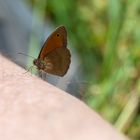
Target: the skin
pixel 32 109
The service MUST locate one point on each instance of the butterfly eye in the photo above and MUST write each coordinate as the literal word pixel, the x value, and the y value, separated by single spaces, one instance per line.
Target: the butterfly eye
pixel 58 35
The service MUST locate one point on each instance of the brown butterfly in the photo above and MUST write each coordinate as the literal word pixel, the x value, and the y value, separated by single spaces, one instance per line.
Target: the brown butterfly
pixel 54 57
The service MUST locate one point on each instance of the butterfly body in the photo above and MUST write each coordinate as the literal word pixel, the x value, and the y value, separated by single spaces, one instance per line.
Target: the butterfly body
pixel 54 57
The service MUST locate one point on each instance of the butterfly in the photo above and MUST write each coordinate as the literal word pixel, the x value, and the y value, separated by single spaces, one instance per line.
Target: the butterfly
pixel 54 57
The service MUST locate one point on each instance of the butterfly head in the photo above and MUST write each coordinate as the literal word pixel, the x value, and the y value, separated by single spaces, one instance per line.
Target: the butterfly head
pixel 38 63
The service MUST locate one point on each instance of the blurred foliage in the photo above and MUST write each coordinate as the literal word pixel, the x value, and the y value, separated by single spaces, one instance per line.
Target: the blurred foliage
pixel 106 35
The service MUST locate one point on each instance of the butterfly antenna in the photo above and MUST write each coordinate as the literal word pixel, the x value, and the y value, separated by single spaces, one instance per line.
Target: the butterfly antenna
pixel 27 55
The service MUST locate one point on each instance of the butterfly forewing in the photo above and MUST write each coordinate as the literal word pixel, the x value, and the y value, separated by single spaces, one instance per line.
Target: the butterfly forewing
pixel 56 40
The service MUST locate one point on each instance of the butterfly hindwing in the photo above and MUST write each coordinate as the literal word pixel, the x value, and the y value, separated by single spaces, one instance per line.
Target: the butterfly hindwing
pixel 58 61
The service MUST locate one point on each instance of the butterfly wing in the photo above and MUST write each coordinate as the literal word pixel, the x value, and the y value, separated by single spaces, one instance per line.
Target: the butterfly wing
pixel 54 57
pixel 56 40
pixel 58 61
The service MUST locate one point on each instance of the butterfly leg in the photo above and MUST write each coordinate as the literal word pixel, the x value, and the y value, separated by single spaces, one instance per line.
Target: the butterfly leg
pixel 29 69
pixel 42 74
